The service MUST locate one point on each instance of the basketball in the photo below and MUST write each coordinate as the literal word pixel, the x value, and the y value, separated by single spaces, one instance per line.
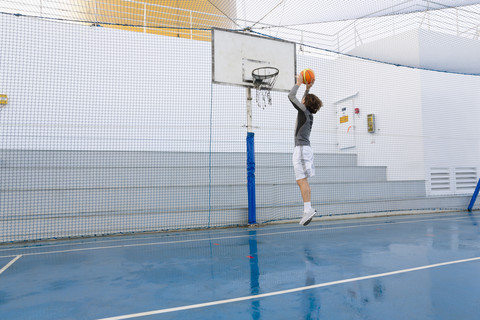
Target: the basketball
pixel 308 76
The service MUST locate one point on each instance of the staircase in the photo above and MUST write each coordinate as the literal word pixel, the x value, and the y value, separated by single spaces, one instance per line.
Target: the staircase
pixel 57 194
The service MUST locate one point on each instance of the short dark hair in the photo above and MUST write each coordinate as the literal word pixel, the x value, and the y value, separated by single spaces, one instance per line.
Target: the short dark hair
pixel 312 103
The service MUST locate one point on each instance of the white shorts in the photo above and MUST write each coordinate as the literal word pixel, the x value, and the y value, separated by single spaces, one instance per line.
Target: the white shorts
pixel 303 162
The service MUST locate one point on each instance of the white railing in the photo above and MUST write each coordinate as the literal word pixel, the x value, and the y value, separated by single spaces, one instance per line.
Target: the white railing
pixel 340 36
pixel 345 36
pixel 144 16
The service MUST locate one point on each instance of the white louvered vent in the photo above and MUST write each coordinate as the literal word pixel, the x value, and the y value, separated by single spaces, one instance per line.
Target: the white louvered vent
pixel 452 180
pixel 465 179
pixel 439 180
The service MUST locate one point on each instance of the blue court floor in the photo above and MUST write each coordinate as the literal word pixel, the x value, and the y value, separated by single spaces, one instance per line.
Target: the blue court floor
pixel 405 267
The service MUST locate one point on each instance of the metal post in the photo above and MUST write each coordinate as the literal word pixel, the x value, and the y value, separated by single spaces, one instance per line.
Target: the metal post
pixel 249 110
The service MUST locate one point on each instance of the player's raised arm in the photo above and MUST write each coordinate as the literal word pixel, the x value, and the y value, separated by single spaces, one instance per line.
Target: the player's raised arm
pixel 292 96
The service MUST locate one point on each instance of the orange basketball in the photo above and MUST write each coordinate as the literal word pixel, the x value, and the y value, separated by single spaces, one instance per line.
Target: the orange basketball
pixel 308 76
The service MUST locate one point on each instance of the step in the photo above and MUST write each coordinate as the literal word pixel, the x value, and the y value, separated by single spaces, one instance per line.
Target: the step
pixel 80 201
pixel 392 206
pixel 46 227
pixel 70 177
pixel 147 159
pixel 337 192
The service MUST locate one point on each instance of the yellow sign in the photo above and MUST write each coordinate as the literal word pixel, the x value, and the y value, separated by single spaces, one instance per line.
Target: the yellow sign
pixel 371 123
pixel 343 119
pixel 3 99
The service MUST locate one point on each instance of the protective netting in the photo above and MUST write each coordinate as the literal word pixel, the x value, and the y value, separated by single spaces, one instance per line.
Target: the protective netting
pixel 107 128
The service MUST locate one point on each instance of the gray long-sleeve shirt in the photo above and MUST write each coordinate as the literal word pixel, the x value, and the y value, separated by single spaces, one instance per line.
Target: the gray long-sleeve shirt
pixel 303 127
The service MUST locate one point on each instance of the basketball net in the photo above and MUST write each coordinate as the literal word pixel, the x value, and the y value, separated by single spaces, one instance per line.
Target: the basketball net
pixel 263 81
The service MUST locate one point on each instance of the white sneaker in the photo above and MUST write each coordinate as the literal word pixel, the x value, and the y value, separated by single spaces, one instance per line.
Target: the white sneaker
pixel 307 217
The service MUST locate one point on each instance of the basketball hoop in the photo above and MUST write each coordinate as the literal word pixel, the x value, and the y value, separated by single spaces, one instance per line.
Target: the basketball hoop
pixel 263 81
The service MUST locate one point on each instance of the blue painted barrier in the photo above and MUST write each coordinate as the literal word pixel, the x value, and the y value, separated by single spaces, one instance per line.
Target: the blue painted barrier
pixel 474 197
pixel 252 215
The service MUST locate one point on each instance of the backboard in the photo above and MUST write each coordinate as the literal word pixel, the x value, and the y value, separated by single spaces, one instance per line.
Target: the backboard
pixel 236 54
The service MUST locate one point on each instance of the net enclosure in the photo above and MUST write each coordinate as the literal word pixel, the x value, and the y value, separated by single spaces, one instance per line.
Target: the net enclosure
pixel 111 121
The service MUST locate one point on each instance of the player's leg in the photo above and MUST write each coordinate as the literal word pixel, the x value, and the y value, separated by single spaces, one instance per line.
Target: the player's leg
pixel 304 168
pixel 308 211
pixel 305 189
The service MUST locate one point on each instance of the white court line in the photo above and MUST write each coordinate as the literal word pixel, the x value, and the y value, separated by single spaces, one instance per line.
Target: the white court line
pixel 227 238
pixel 276 293
pixel 140 237
pixel 217 232
pixel 10 263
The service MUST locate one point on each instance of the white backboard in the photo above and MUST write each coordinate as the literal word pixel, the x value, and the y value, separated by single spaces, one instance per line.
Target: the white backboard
pixel 236 54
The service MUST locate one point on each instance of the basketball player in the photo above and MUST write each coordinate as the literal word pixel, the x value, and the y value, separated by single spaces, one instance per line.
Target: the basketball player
pixel 303 154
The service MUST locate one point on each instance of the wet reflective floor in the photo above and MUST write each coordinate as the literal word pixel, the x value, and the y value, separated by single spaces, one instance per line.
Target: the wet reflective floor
pixel 405 267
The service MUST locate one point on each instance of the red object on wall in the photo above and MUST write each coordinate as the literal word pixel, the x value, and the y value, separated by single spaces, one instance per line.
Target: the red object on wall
pixel 357 110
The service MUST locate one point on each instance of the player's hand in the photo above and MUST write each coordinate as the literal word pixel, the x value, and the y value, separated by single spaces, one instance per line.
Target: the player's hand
pixel 299 79
pixel 311 84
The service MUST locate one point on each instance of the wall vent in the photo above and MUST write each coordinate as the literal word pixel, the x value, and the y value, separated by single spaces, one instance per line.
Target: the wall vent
pixel 440 181
pixel 465 179
pixel 458 180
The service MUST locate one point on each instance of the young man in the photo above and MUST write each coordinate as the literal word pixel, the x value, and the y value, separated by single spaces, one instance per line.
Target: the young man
pixel 303 154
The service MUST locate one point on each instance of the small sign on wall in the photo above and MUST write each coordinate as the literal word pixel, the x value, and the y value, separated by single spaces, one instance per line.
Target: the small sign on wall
pixel 371 123
pixel 3 99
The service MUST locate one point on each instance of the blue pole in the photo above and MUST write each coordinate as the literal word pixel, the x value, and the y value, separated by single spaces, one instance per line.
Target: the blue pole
pixel 252 215
pixel 474 197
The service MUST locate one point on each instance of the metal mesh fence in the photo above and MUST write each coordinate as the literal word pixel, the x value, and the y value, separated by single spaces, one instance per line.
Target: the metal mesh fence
pixel 105 131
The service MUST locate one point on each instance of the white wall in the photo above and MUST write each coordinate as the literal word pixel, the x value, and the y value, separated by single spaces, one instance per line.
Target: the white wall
pixel 425 49
pixel 451 111
pixel 393 94
pixel 400 49
pixel 450 102
pixel 73 87
pixel 438 112
pixel 445 52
